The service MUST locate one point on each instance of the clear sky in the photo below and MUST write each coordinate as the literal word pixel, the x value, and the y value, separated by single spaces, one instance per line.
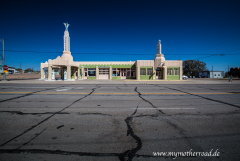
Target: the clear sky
pixel 121 30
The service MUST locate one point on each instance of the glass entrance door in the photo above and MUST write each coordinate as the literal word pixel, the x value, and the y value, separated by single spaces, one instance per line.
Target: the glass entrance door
pixel 158 75
pixel 123 73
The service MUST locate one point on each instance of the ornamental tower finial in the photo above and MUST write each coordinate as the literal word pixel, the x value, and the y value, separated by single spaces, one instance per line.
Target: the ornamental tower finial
pixel 66 26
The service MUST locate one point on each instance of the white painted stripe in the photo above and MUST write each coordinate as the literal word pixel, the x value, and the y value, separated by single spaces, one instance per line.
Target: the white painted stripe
pixel 164 108
pixel 62 89
pixel 24 87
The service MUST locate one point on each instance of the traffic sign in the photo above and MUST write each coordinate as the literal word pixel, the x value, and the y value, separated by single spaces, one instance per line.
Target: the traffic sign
pixel 5 71
pixel 5 67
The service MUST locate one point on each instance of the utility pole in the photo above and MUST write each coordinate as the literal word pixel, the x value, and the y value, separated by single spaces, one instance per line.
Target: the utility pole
pixel 228 69
pixel 3 58
pixel 212 71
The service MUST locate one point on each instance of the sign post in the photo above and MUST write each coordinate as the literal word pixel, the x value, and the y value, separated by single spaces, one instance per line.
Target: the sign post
pixel 5 68
pixel 1 69
pixel 3 57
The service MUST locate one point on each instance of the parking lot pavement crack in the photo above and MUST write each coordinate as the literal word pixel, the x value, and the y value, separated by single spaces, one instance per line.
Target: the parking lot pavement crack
pixel 181 132
pixel 32 127
pixel 22 113
pixel 25 95
pixel 210 99
pixel 140 95
pixel 94 114
pixel 118 88
pixel 36 135
pixel 129 154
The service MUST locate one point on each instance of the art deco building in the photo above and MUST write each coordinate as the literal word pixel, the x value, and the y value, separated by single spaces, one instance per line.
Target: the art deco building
pixel 159 68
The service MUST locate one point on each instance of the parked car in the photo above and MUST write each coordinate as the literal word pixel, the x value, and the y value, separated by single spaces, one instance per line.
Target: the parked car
pixel 184 77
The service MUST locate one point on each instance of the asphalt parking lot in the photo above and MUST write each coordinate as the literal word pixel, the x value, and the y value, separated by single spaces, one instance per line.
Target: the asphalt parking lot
pixel 119 121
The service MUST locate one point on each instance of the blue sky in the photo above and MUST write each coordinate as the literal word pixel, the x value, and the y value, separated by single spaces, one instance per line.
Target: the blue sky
pixel 114 30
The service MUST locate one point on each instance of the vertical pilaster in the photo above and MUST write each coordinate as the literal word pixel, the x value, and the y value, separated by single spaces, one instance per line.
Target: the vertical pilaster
pixel 165 73
pixel 49 72
pixel 138 72
pixel 42 73
pixel 68 72
pixel 180 73
pixel 110 73
pixel 154 73
pixel 62 73
pixel 83 72
pixel 97 73
pixel 79 74
pixel 75 73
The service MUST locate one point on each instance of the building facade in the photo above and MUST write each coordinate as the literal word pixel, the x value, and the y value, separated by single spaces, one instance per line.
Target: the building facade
pixel 159 68
pixel 211 74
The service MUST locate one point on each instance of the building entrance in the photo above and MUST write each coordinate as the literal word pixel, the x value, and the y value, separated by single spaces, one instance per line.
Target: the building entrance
pixel 158 75
pixel 123 73
pixel 103 73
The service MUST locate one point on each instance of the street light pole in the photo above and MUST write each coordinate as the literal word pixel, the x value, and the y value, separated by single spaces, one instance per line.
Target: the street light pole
pixel 3 57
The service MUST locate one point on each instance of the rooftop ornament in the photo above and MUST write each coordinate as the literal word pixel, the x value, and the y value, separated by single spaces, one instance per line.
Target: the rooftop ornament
pixel 66 26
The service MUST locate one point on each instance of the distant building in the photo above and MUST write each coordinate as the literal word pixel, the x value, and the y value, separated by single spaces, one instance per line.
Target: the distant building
pixel 11 70
pixel 204 74
pixel 216 74
pixel 211 74
pixel 159 68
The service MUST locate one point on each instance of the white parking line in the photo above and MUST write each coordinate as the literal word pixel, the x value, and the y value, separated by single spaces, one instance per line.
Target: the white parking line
pixel 165 108
pixel 24 87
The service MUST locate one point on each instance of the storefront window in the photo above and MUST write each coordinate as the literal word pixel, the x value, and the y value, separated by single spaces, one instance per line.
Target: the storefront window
pixel 176 71
pixel 133 73
pixel 143 71
pixel 115 72
pixel 169 71
pixel 91 72
pixel 149 71
pixel 118 72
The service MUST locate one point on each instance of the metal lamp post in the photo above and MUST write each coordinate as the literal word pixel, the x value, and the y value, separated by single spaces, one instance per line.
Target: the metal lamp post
pixel 3 57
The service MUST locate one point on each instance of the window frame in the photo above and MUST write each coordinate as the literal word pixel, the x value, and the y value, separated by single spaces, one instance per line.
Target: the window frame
pixel 176 69
pixel 91 70
pixel 169 69
pixel 142 71
pixel 149 71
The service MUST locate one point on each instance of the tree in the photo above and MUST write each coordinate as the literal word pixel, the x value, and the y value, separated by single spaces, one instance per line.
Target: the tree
pixel 19 69
pixel 235 72
pixel 192 67
pixel 29 70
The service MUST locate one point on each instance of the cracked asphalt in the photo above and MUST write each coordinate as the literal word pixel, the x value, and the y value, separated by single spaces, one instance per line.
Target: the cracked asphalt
pixel 118 121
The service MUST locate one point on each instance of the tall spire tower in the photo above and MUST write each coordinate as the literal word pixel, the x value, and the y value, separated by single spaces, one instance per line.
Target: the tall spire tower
pixel 159 60
pixel 159 47
pixel 66 42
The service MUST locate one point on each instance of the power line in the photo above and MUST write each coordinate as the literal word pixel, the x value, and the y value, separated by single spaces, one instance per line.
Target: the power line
pixel 115 53
pixel 124 49
pixel 32 42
